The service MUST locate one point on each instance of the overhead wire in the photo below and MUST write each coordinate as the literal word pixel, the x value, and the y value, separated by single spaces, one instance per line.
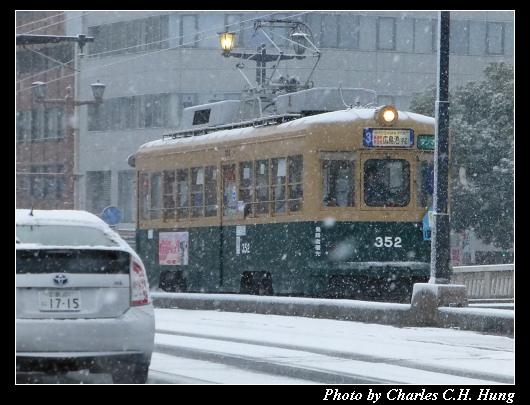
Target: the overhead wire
pixel 196 34
pixel 51 25
pixel 39 21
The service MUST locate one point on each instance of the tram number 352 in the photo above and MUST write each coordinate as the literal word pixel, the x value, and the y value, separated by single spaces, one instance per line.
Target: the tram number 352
pixel 388 241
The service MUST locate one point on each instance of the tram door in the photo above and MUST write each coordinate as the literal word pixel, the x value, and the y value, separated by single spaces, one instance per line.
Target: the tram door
pixel 229 190
pixel 228 214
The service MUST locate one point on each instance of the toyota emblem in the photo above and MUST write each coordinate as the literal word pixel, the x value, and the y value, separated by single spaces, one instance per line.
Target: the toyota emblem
pixel 60 280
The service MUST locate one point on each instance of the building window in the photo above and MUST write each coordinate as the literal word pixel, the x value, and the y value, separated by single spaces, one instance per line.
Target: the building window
pixel 40 124
pixel 495 38
pixel 330 30
pixel 23 125
pixel 43 182
pixel 48 57
pixel 188 31
pixel 386 33
pixel 348 31
pixel 98 191
pixel 424 31
pixel 147 111
pixel 132 36
pixel 459 37
pixel 126 180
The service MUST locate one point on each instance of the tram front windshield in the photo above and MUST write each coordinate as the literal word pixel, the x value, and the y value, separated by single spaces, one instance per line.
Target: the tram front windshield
pixel 386 183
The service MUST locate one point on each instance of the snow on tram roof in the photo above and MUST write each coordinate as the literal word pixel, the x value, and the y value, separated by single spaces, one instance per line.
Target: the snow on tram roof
pixel 341 116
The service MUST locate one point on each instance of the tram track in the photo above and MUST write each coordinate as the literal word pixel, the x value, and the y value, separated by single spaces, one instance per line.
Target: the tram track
pixel 301 362
pixel 268 367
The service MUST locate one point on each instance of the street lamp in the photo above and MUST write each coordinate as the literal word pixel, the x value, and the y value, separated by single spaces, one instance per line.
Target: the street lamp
pixel 299 38
pixel 39 91
pixel 69 103
pixel 227 42
pixel 299 41
pixel 97 90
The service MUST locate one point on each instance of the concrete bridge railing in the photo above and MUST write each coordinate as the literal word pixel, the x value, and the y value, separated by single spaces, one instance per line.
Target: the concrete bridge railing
pixel 486 282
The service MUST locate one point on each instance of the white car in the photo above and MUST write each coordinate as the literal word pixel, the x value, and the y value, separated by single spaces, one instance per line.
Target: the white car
pixel 82 297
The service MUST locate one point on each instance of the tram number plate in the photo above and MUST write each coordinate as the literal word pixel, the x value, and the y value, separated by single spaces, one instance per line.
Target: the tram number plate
pixel 403 138
pixel 59 300
pixel 388 242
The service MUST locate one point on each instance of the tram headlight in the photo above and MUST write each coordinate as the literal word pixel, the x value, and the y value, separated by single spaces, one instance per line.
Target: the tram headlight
pixel 386 115
pixel 389 116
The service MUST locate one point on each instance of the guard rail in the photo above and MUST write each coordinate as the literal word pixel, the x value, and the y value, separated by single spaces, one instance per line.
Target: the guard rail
pixel 493 281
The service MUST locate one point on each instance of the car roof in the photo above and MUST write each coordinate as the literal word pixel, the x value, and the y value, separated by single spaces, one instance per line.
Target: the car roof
pixel 58 217
pixel 71 218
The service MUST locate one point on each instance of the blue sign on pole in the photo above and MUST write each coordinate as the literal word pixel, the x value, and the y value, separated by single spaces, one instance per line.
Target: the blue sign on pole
pixel 427 224
pixel 111 215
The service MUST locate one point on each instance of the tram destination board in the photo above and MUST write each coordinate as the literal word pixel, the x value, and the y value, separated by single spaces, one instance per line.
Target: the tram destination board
pixel 401 138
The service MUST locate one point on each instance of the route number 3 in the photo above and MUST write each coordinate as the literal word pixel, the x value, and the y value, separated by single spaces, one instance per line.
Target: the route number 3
pixel 388 242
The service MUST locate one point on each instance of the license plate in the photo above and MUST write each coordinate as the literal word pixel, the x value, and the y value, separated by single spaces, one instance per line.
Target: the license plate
pixel 60 300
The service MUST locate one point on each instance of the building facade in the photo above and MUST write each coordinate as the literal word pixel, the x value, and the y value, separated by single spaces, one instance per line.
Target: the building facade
pixel 43 152
pixel 155 63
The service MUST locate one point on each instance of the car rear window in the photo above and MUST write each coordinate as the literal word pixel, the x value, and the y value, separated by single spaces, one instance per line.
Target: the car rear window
pixel 63 235
pixel 73 261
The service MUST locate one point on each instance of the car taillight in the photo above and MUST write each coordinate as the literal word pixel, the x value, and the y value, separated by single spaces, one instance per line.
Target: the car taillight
pixel 139 285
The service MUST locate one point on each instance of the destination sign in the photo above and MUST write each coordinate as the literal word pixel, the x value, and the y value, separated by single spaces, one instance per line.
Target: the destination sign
pixel 403 138
pixel 425 141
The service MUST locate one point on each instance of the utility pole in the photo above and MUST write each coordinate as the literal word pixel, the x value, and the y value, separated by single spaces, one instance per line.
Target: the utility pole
pixel 441 270
pixel 439 292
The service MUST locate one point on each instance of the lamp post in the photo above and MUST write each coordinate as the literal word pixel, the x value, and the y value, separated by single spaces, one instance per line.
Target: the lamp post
pixel 261 57
pixel 441 270
pixel 69 103
pixel 439 292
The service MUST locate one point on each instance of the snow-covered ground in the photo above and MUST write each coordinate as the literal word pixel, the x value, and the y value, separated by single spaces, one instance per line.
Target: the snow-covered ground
pixel 236 348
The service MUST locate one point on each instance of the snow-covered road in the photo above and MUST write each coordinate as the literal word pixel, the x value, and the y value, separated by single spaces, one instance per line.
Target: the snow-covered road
pixel 209 347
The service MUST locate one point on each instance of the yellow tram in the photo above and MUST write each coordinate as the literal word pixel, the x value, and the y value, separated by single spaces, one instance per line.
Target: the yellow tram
pixel 322 205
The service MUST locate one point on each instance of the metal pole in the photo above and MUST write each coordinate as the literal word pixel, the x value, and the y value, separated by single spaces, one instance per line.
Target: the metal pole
pixel 441 271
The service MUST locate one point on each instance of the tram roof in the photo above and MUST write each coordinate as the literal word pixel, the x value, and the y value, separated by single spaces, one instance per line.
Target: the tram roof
pixel 349 115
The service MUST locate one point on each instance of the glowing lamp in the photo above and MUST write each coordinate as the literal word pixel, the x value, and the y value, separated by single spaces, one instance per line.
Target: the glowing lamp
pixel 387 115
pixel 227 42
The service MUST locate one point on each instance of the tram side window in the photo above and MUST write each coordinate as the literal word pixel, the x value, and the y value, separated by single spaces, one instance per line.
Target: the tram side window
pixel 296 188
pixel 197 192
pixel 425 184
pixel 156 195
pixel 262 186
pixel 210 191
pixel 338 183
pixel 143 196
pixel 183 194
pixel 278 180
pixel 189 192
pixel 168 187
pixel 387 182
pixel 246 174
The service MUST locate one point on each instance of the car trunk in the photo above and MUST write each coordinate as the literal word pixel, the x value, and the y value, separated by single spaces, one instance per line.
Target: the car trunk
pixel 72 283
